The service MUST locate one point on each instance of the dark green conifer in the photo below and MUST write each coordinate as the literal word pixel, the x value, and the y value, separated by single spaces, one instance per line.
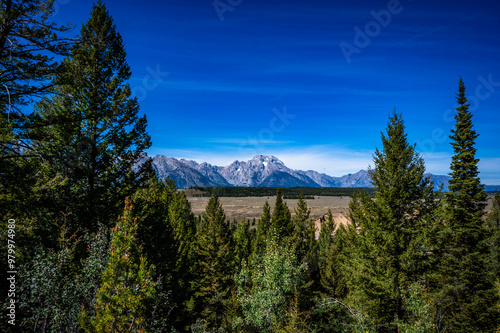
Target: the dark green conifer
pixel 126 298
pixel 493 221
pixel 242 242
pixel 213 268
pixel 327 259
pixel 263 227
pixel 281 220
pixel 466 293
pixel 385 262
pixel 97 137
pixel 301 223
pixel 166 228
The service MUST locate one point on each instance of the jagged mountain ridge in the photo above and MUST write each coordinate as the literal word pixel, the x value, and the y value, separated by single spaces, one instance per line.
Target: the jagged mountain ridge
pixel 259 170
pixel 266 171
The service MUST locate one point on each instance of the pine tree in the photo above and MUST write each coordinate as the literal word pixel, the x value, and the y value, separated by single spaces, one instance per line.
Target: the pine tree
pixel 262 232
pixel 30 45
pixel 96 138
pixel 385 262
pixel 125 300
pixel 466 294
pixel 465 194
pixel 28 41
pixel 281 220
pixel 493 222
pixel 303 242
pixel 166 230
pixel 213 267
pixel 301 221
pixel 326 257
pixel 242 242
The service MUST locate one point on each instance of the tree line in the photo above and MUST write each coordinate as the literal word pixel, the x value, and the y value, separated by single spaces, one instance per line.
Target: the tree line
pixel 288 192
pixel 102 245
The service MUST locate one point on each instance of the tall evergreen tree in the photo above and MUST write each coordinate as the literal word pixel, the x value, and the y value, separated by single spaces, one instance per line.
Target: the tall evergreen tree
pixel 126 298
pixel 281 220
pixel 466 292
pixel 386 262
pixel 97 137
pixel 301 223
pixel 327 260
pixel 30 44
pixel 493 221
pixel 166 230
pixel 465 196
pixel 303 242
pixel 242 242
pixel 262 232
pixel 213 267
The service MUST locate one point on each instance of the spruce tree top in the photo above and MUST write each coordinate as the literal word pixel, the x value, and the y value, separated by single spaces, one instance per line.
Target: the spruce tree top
pixel 98 60
pixel 398 176
pixel 466 193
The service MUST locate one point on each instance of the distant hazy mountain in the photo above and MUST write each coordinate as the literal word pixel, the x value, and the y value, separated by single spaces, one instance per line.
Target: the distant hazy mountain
pixel 358 179
pixel 183 175
pixel 492 188
pixel 261 170
pixel 439 180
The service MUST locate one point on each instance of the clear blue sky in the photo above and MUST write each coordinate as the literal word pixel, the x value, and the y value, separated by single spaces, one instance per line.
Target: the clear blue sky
pixel 311 82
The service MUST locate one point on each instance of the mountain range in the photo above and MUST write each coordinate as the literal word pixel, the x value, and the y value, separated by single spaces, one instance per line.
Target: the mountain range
pixel 264 171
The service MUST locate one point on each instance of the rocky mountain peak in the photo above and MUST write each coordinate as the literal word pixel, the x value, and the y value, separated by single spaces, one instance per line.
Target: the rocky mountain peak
pixel 261 170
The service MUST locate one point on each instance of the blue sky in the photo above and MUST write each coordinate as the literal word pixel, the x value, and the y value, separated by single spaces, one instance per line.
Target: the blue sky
pixel 311 82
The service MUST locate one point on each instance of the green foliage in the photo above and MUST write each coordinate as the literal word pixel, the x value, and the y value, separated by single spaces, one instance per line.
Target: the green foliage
pixel 303 241
pixel 242 242
pixel 493 224
pixel 383 260
pixel 262 232
pixel 28 42
pixel 466 195
pixel 296 320
pixel 213 267
pixel 281 219
pixel 420 312
pixel 166 230
pixel 300 236
pixel 54 287
pixel 332 315
pixel 465 290
pixel 49 299
pixel 126 297
pixel 96 136
pixel 328 258
pixel 266 289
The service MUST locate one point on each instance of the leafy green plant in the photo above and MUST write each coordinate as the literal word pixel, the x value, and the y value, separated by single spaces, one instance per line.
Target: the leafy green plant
pixel 419 310
pixel 266 290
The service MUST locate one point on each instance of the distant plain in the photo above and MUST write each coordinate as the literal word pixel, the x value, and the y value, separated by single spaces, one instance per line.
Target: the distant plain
pixel 251 207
